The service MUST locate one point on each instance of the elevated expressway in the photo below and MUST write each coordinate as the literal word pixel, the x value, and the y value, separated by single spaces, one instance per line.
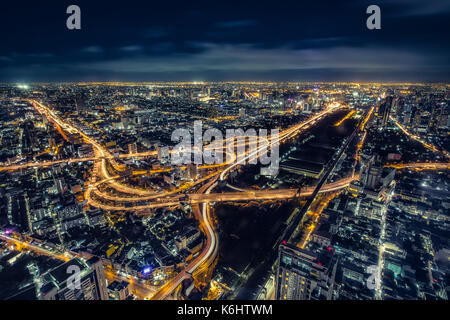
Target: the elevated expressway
pixel 420 166
pixel 269 194
pixel 415 137
pixel 199 199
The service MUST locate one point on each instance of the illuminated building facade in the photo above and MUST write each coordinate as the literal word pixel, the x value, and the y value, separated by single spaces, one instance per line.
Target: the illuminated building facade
pixel 304 275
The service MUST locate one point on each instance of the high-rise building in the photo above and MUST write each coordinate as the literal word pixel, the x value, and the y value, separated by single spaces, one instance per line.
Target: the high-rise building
pixel 119 290
pixel 163 154
pixel 444 118
pixel 52 143
pixel 373 177
pixel 192 171
pixel 132 148
pixel 384 111
pixel 416 117
pixel 80 103
pixel 371 173
pixel 433 122
pixel 62 282
pixel 306 108
pixel 304 275
pixel 61 185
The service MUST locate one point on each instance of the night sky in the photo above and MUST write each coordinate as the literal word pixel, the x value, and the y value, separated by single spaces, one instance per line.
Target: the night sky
pixel 224 40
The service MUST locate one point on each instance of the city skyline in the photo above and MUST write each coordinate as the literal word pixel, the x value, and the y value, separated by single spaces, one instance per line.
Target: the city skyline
pixel 358 194
pixel 228 152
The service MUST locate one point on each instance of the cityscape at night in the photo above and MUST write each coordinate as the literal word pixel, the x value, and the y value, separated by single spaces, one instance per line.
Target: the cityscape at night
pixel 218 153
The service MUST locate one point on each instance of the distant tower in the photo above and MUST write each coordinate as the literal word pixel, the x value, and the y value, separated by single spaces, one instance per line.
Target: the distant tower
pixel 372 174
pixel 52 143
pixel 163 154
pixel 132 148
pixel 437 113
pixel 192 171
pixel 384 112
pixel 374 177
pixel 61 185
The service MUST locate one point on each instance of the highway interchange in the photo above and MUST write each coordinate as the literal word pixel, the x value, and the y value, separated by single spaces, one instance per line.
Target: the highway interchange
pixel 198 193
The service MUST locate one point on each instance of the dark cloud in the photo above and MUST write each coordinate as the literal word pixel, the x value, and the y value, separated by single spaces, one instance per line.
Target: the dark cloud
pixel 134 48
pixel 322 40
pixel 419 7
pixel 236 24
pixel 92 49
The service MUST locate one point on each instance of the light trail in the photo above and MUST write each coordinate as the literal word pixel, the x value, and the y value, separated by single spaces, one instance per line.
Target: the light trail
pixel 348 116
pixel 319 206
pixel 427 145
pixel 211 248
pixel 152 195
pixel 208 254
pixel 270 194
pixel 366 119
pixel 195 198
pixel 71 160
pixel 359 146
pixel 99 151
pixel 288 133
pixel 420 166
pixel 21 245
pixel 139 289
pixel 147 195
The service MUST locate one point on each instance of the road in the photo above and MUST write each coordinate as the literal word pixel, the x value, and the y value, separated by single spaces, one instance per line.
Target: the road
pixel 415 137
pixel 101 176
pixel 139 289
pixel 209 250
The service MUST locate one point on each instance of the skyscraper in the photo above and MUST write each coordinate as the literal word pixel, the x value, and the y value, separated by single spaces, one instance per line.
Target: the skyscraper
pixel 373 177
pixel 371 173
pixel 304 275
pixel 384 111
pixel 192 171
pixel 61 185
pixel 132 148
pixel 60 283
